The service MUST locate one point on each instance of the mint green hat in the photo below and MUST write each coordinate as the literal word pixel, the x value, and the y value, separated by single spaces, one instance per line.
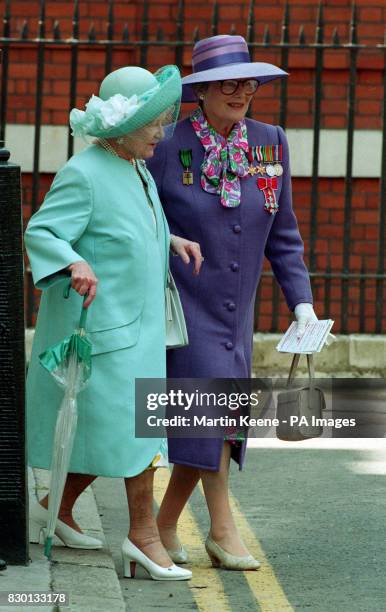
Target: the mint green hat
pixel 129 98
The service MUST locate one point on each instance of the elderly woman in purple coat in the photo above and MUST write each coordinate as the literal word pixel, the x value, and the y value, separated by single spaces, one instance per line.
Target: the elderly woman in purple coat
pixel 224 181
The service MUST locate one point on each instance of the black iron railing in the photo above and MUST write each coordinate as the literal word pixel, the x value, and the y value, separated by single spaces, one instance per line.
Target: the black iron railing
pixel 325 278
pixel 13 475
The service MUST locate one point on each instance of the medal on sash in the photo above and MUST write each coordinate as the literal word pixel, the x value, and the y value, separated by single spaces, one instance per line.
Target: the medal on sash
pixel 278 169
pixel 261 169
pixel 186 161
pixel 268 186
pixel 269 158
pixel 270 170
pixel 252 170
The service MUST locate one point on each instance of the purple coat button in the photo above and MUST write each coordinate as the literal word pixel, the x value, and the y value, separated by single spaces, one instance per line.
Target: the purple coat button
pixel 231 306
pixel 237 229
pixel 234 266
pixel 229 346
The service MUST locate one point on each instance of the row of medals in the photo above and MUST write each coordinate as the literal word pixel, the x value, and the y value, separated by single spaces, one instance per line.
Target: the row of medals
pixel 270 170
pixel 275 169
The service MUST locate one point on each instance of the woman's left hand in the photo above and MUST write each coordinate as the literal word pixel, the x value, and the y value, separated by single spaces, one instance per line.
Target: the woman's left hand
pixel 304 314
pixel 186 248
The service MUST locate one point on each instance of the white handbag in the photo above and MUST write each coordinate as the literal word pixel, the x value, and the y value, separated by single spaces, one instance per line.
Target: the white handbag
pixel 176 332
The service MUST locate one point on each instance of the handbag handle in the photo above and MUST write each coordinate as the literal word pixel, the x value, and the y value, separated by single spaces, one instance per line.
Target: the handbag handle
pixel 141 173
pixel 166 233
pixel 294 367
pixel 167 247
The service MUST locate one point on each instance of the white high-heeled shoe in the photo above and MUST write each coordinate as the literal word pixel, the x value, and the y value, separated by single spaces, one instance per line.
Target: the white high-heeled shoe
pixel 131 555
pixel 70 537
pixel 221 558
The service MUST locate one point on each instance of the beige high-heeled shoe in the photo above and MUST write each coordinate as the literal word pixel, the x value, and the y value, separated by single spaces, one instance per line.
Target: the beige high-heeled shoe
pixel 178 556
pixel 221 558
pixel 131 555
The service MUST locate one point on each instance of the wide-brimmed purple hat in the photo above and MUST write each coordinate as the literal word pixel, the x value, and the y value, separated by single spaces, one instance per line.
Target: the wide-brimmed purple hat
pixel 225 57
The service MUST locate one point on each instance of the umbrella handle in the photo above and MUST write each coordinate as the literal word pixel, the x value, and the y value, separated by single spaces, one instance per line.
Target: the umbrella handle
pixel 83 315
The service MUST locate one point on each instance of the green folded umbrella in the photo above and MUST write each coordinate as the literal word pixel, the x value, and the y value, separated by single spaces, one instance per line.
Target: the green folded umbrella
pixel 69 362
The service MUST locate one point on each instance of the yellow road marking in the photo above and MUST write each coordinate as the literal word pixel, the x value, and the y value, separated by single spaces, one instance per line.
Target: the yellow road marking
pixel 206 587
pixel 264 584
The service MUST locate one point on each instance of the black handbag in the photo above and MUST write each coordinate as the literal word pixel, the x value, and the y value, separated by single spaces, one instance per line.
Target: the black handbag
pixel 298 409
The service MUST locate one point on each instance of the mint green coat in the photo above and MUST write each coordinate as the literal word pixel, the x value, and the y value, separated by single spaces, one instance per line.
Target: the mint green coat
pixel 97 210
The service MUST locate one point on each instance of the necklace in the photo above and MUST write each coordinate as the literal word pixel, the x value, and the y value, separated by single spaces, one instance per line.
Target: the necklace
pixel 107 146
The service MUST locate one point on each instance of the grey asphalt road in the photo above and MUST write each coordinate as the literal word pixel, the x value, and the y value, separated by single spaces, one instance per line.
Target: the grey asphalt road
pixel 318 517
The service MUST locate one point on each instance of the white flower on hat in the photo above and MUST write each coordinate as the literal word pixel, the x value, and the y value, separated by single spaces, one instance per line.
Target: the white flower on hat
pixel 80 122
pixel 117 109
pixel 107 113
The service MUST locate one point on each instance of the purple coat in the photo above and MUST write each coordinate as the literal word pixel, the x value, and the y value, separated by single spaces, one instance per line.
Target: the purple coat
pixel 219 303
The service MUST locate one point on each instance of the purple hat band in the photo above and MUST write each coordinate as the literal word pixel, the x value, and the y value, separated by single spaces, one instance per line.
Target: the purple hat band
pixel 225 57
pixel 219 51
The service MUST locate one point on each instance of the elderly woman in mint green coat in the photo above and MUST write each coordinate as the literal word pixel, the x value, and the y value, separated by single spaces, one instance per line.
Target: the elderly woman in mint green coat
pixel 102 228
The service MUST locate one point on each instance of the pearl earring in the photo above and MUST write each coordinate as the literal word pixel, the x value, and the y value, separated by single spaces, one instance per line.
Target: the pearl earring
pixel 201 96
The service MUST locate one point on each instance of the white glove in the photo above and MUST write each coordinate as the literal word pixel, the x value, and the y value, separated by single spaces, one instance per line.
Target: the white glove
pixel 304 314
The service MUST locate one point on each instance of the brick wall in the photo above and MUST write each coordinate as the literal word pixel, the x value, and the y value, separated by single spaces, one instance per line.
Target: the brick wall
pixel 198 13
pixel 163 14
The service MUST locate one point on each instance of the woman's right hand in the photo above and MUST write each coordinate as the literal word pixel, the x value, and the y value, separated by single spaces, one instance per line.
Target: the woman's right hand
pixel 83 280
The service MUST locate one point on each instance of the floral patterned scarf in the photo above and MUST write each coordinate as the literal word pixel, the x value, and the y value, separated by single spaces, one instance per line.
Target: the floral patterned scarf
pixel 225 160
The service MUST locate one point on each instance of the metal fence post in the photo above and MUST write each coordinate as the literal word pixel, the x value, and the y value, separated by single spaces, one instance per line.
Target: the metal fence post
pixel 13 479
